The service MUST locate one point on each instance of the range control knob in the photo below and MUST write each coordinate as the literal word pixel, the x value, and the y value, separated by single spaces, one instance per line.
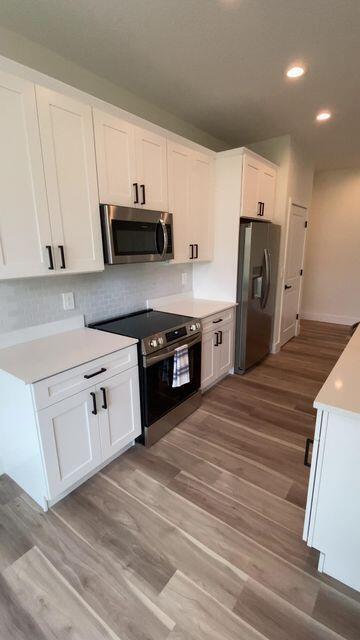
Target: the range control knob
pixel 193 327
pixel 161 340
pixel 153 342
pixel 198 325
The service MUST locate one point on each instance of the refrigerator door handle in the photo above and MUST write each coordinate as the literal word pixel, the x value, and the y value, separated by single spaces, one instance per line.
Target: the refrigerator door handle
pixel 265 296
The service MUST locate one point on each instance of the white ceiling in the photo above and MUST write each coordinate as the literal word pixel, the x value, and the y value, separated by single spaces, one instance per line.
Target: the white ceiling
pixel 219 64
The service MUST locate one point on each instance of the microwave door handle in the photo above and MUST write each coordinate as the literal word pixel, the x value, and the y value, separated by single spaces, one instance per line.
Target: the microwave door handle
pixel 166 239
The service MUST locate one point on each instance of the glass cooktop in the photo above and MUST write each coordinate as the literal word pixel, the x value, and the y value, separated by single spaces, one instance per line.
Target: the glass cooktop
pixel 142 324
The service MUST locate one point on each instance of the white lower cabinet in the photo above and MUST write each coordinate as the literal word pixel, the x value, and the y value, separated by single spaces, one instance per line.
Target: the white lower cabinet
pixel 69 434
pixel 119 412
pixel 217 358
pixel 84 430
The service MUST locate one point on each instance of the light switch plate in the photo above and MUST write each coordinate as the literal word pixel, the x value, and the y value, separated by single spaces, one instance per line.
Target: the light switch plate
pixel 68 301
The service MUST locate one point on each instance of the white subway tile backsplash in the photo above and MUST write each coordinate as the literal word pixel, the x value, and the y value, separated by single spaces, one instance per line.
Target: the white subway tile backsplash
pixel 118 290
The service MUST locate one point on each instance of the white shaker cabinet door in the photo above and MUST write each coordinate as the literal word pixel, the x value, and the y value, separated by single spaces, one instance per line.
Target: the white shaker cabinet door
pixel 226 349
pixel 115 159
pixel 267 191
pixel 179 167
pixel 24 218
pixel 250 206
pixel 67 140
pixel 209 359
pixel 119 411
pixel 151 164
pixel 70 441
pixel 202 205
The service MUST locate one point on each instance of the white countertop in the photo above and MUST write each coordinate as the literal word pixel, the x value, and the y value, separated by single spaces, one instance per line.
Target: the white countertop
pixel 195 307
pixel 341 391
pixel 37 359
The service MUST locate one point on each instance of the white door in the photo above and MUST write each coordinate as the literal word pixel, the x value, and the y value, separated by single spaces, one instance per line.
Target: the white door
pixel 151 164
pixel 67 140
pixel 209 359
pixel 250 196
pixel 69 433
pixel 119 414
pixel 24 217
pixel 179 167
pixel 115 159
pixel 202 205
pixel 267 192
pixel 226 349
pixel 293 271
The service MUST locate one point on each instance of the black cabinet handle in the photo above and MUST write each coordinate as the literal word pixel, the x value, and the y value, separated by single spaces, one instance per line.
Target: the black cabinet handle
pixel 259 209
pixel 263 208
pixel 196 251
pixel 191 252
pixel 104 404
pixel 217 338
pixel 142 187
pixel 216 321
pixel 309 442
pixel 87 376
pixel 220 334
pixel 62 256
pixel 136 199
pixel 51 261
pixel 288 286
pixel 93 395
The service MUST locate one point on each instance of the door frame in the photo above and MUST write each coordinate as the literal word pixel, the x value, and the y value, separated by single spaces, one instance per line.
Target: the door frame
pixel 297 326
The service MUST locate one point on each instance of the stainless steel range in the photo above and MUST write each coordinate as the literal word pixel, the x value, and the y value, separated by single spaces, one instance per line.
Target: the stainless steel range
pixel 163 405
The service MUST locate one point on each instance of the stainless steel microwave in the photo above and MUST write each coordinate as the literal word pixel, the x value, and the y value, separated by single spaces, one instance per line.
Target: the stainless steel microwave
pixel 136 235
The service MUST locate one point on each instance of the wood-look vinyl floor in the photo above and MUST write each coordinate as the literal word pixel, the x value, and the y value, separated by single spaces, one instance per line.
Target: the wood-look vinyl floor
pixel 199 537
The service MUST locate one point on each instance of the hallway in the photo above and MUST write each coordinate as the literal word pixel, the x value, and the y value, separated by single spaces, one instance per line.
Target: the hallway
pixel 199 537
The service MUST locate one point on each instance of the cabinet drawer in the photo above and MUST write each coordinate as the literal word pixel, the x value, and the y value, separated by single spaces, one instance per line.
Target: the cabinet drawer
pixel 215 321
pixel 65 384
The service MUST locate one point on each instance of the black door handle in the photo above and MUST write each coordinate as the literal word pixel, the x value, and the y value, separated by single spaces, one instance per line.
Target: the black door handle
pixel 191 252
pixel 217 339
pixel 104 404
pixel 309 442
pixel 220 332
pixel 196 251
pixel 142 187
pixel 87 376
pixel 288 286
pixel 51 261
pixel 136 199
pixel 93 395
pixel 263 208
pixel 62 256
pixel 259 209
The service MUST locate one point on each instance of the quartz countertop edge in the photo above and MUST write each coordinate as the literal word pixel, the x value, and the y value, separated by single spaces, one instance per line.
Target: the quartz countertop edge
pixel 194 307
pixel 45 357
pixel 340 393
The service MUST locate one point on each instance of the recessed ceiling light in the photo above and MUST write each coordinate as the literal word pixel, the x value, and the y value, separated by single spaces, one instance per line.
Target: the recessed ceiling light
pixel 295 72
pixel 323 115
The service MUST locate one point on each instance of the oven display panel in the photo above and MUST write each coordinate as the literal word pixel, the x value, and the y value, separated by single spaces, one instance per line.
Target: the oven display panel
pixel 176 334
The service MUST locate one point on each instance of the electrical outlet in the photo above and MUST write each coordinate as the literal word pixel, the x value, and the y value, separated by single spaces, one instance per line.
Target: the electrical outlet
pixel 68 301
pixel 184 278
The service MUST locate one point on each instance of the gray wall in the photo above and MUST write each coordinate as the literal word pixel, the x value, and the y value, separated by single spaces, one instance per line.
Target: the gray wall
pixel 31 54
pixel 120 289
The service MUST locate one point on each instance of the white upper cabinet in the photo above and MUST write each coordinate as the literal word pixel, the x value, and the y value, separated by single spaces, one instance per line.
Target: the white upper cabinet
pixel 258 188
pixel 67 140
pixel 115 158
pixel 191 193
pixel 151 170
pixel 202 205
pixel 24 218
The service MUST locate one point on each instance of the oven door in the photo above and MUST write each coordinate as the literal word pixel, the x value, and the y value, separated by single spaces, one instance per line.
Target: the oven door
pixel 158 394
pixel 134 235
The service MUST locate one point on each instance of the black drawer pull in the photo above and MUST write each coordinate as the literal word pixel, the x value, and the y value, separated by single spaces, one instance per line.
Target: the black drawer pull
pixel 104 404
pixel 62 255
pixel 216 321
pixel 309 442
pixel 51 261
pixel 288 286
pixel 93 395
pixel 97 373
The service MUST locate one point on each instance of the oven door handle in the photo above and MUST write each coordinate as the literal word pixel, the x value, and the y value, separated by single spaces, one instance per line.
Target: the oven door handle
pixel 166 239
pixel 148 361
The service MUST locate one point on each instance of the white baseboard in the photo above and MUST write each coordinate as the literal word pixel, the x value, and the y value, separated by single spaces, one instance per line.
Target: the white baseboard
pixel 275 347
pixel 329 317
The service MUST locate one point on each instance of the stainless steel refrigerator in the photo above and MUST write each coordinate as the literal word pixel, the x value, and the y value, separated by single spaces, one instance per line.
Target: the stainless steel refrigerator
pixel 256 289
